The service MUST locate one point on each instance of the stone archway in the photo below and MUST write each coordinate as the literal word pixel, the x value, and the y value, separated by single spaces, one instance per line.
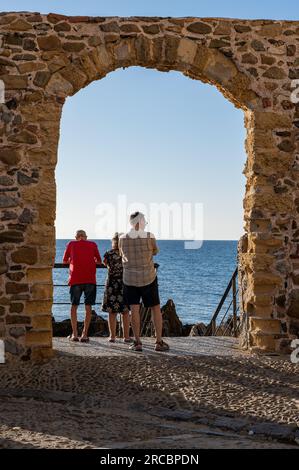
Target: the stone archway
pixel 46 58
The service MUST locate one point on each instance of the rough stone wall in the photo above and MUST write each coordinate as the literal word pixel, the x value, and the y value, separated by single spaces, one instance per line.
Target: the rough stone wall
pixel 46 58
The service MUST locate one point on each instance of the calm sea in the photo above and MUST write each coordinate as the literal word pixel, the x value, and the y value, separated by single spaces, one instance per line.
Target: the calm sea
pixel 194 279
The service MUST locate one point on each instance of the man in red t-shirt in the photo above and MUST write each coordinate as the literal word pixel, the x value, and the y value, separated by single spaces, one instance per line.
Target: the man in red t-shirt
pixel 82 256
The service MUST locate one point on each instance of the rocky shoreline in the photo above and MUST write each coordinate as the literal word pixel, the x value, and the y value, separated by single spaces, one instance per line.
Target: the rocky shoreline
pixel 172 325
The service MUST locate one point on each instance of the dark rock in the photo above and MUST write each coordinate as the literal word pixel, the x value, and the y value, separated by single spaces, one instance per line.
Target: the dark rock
pixel 7 201
pixel 275 73
pixel 16 288
pixel 240 28
pixel 11 236
pixel 62 27
pixel 16 307
pixel 17 331
pixel 29 45
pixel 26 254
pixel 266 60
pixel 294 74
pixel 42 78
pixel 13 347
pixel 6 181
pixel 10 155
pixel 16 267
pixel 186 330
pixel 9 215
pixel 293 310
pixel 130 28
pixel 14 39
pixel 16 277
pixel 198 330
pixel 294 328
pixel 249 59
pixel 199 28
pixel 3 264
pixel 26 217
pixel 257 45
pixel 171 47
pixel 151 28
pixel 29 57
pixel 286 146
pixel 73 46
pixel 98 327
pixel 218 43
pixel 49 43
pixel 172 326
pixel 281 301
pixel 111 27
pixel 24 179
pixel 291 50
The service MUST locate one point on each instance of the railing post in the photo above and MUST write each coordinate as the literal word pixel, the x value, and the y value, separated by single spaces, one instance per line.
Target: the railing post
pixel 234 307
pixel 213 327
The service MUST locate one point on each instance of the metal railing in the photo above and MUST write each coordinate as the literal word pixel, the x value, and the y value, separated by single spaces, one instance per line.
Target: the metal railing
pixel 229 324
pixel 66 266
pixel 146 324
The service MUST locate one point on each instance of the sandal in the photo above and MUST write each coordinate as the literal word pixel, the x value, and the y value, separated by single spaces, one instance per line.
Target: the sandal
pixel 84 340
pixel 75 339
pixel 161 346
pixel 111 340
pixel 136 346
pixel 128 341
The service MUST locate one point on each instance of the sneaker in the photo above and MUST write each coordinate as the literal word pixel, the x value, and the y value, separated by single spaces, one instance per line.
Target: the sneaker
pixel 161 346
pixel 128 341
pixel 136 346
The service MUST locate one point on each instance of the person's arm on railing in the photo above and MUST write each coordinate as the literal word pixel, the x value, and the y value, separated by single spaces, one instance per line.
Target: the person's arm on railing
pixel 66 256
pixel 155 246
pixel 97 255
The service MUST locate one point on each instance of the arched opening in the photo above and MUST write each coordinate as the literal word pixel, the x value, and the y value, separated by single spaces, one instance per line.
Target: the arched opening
pixel 188 45
pixel 154 139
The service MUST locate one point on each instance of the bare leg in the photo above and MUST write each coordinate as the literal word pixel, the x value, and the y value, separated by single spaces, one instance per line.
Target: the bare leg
pixel 86 321
pixel 126 325
pixel 112 324
pixel 158 322
pixel 74 309
pixel 135 312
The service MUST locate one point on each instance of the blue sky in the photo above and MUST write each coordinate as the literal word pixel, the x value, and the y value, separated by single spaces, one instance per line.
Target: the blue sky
pixel 152 136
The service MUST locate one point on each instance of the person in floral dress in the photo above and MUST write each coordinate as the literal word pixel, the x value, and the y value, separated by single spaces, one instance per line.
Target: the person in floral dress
pixel 113 302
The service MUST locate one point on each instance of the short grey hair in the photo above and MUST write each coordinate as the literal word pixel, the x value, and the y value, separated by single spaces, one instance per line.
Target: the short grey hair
pixel 81 233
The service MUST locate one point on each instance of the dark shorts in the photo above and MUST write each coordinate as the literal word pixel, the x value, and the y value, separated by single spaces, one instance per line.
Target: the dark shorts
pixel 90 292
pixel 148 294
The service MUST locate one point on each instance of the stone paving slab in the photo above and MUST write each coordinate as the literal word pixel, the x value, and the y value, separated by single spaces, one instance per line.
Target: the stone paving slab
pixel 204 393
pixel 179 347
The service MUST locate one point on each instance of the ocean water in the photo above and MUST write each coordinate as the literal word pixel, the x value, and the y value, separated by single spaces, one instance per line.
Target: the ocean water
pixel 194 279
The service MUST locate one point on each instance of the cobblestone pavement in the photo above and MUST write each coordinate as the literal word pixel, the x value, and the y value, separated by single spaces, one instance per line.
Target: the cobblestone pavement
pixel 205 393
